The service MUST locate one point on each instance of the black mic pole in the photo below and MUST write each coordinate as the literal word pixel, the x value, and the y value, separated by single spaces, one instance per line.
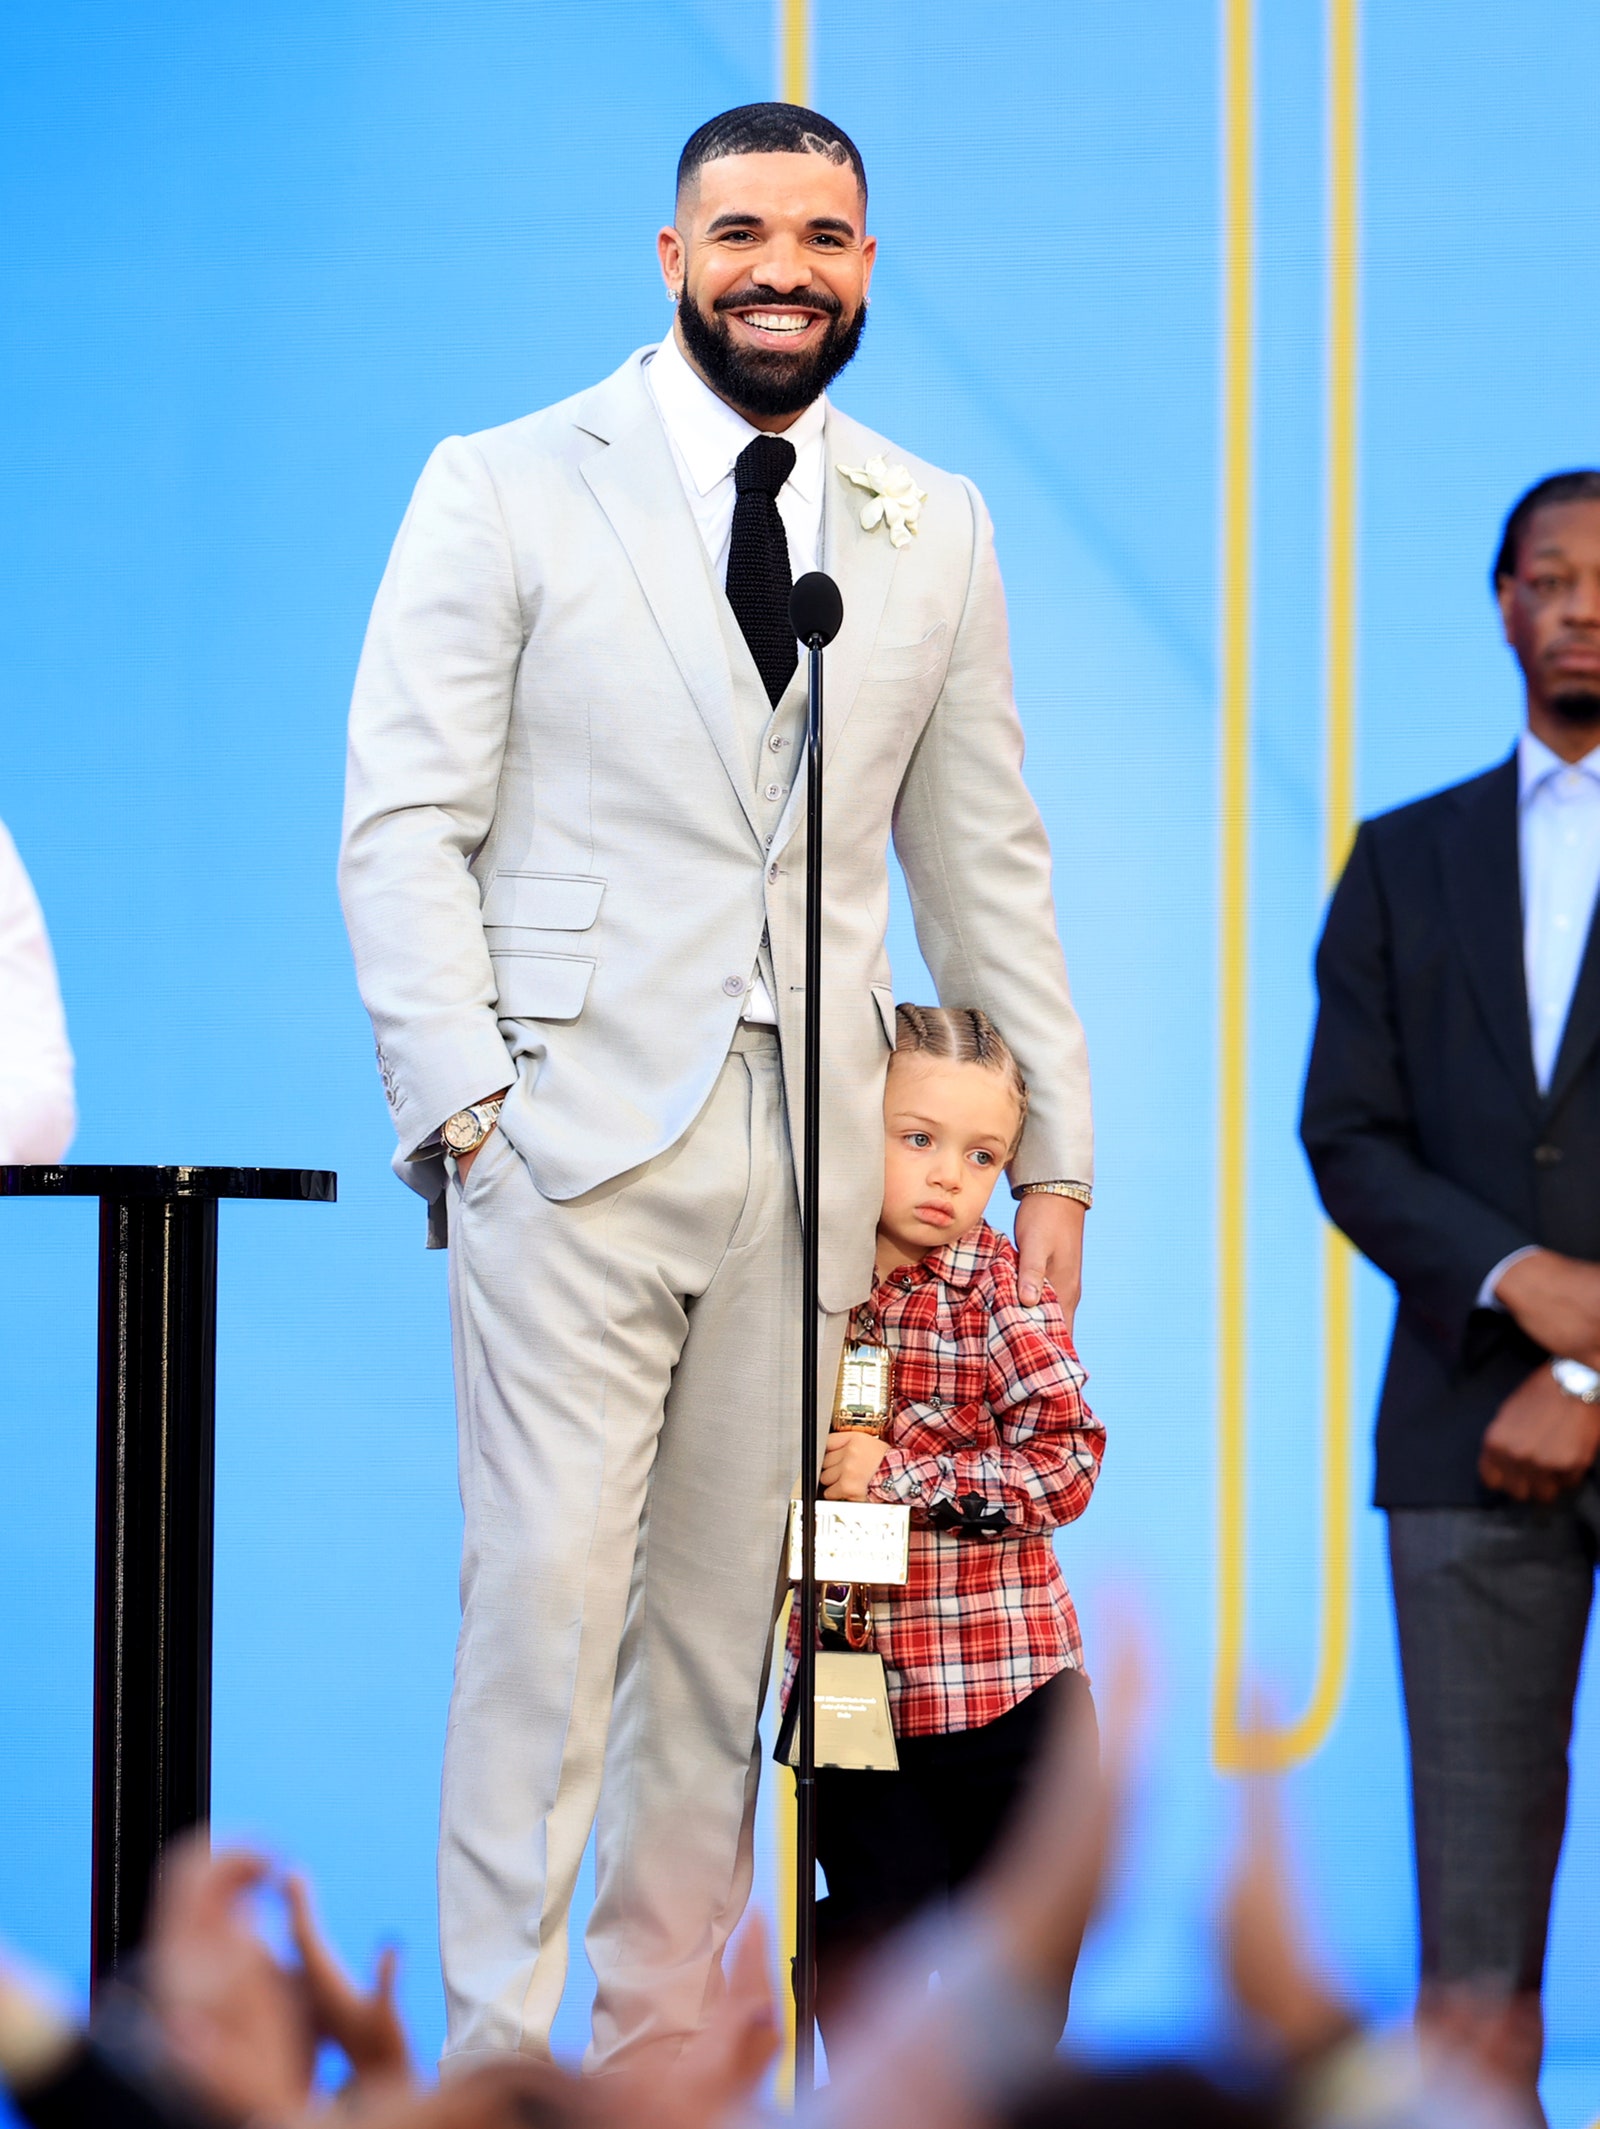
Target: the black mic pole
pixel 815 612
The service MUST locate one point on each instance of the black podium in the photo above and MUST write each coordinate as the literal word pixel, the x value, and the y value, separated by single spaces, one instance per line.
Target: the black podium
pixel 153 1507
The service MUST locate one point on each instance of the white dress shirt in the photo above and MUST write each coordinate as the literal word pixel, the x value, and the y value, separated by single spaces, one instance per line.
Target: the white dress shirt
pixel 706 436
pixel 1558 837
pixel 37 1112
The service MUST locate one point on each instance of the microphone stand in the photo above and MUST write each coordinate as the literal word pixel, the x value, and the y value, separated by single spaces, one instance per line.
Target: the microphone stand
pixel 815 610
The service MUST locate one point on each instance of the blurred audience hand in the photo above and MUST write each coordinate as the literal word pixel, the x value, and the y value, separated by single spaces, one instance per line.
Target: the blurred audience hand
pixel 1498 2038
pixel 911 2058
pixel 38 2033
pixel 233 2020
pixel 1044 1885
pixel 1265 1947
pixel 365 2027
pixel 722 2067
pixel 518 2093
pixel 718 2074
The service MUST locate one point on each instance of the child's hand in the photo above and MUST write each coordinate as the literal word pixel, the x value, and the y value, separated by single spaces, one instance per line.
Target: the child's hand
pixel 848 1463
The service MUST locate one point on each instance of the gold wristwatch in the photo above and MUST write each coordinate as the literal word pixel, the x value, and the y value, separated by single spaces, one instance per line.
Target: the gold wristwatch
pixel 1080 1193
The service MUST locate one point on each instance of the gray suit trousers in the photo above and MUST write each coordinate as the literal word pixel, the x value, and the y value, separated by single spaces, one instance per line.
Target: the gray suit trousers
pixel 627 1371
pixel 1492 1606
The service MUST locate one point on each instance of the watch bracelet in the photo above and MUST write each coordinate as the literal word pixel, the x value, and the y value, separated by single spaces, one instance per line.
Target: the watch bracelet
pixel 1590 1395
pixel 488 1113
pixel 1080 1193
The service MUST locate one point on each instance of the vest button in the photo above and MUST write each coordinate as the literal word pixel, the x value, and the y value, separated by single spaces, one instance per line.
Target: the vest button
pixel 1548 1156
pixel 733 985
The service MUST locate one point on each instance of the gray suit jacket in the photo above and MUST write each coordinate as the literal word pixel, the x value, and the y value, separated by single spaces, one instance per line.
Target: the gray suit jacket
pixel 558 856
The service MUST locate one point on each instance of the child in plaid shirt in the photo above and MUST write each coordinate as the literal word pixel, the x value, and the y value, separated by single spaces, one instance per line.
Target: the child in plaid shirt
pixel 992 1447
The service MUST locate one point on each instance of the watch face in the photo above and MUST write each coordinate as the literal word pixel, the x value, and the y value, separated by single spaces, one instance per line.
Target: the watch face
pixel 461 1132
pixel 1577 1380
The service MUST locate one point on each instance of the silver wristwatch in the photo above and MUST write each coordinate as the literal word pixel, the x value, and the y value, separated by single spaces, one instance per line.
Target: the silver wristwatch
pixel 1576 1380
pixel 466 1131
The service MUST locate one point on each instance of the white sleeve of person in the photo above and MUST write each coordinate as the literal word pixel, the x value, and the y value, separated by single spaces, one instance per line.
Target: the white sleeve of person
pixel 38 1115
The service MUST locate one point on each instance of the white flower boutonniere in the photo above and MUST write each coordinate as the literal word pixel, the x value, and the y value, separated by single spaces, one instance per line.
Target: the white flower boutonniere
pixel 896 499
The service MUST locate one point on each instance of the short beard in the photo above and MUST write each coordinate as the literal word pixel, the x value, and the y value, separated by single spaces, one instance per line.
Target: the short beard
pixel 766 381
pixel 1576 706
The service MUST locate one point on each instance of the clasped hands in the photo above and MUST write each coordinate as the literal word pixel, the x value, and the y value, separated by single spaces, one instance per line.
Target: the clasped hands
pixel 1541 1442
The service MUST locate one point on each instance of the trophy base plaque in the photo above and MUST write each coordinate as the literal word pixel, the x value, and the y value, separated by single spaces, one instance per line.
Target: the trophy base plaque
pixel 853 1726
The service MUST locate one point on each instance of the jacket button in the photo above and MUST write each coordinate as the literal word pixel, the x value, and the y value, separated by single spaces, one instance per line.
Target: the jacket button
pixel 1548 1156
pixel 733 985
pixel 772 872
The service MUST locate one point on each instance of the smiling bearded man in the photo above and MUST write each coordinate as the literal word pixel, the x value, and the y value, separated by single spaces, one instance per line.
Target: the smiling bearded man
pixel 573 874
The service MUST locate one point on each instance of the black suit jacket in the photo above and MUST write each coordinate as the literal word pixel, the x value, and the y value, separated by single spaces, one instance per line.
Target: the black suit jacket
pixel 1432 1146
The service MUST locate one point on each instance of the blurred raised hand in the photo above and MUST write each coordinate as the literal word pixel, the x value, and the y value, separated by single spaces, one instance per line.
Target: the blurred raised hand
pixel 720 2071
pixel 1046 1882
pixel 233 2020
pixel 1265 1942
pixel 956 2058
pixel 718 2076
pixel 364 2025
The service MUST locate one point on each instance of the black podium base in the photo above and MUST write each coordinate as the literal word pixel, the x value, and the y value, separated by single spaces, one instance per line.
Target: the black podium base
pixel 154 1491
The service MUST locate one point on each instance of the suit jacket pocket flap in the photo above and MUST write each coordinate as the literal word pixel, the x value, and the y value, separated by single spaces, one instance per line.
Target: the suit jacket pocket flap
pixel 540 986
pixel 551 901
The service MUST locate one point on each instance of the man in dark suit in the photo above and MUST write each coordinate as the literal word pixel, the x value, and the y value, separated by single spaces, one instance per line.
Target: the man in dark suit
pixel 1452 1118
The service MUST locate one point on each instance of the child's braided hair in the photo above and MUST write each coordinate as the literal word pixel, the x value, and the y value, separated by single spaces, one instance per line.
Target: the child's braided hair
pixel 961 1034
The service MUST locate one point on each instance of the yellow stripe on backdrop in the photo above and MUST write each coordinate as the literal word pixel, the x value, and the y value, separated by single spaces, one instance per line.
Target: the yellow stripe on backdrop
pixel 1239 1745
pixel 794 51
pixel 786 1841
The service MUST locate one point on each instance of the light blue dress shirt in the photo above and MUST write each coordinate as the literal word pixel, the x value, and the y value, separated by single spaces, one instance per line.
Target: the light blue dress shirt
pixel 1558 837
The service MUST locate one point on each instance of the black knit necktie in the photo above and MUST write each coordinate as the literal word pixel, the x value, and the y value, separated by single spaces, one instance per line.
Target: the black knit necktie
pixel 758 560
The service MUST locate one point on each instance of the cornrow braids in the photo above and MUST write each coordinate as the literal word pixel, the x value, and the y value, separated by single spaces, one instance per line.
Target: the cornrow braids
pixel 961 1034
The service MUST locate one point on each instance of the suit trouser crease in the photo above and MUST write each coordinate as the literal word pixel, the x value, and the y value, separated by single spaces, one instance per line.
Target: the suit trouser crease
pixel 1492 1608
pixel 627 1379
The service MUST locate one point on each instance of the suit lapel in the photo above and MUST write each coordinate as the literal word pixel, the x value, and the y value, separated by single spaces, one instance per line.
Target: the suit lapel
pixel 1582 1030
pixel 862 564
pixel 1483 880
pixel 635 481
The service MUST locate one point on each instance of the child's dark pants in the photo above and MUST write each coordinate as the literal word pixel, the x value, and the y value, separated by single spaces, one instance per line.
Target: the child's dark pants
pixel 892 1844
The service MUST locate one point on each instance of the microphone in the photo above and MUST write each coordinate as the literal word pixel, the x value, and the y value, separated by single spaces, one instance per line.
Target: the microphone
pixel 816 609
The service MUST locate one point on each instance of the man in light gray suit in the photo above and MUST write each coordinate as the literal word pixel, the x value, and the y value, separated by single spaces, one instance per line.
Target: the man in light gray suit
pixel 574 878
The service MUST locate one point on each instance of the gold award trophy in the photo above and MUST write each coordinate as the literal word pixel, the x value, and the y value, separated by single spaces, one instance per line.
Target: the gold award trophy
pixel 859 1543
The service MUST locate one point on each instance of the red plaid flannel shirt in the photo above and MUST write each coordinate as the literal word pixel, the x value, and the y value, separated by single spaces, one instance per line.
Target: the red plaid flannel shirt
pixel 992 1448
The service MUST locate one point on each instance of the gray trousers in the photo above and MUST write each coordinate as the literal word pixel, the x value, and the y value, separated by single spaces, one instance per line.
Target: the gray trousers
pixel 1492 1605
pixel 627 1382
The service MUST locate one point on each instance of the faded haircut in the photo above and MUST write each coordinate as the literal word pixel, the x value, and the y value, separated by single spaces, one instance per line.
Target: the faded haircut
pixel 768 129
